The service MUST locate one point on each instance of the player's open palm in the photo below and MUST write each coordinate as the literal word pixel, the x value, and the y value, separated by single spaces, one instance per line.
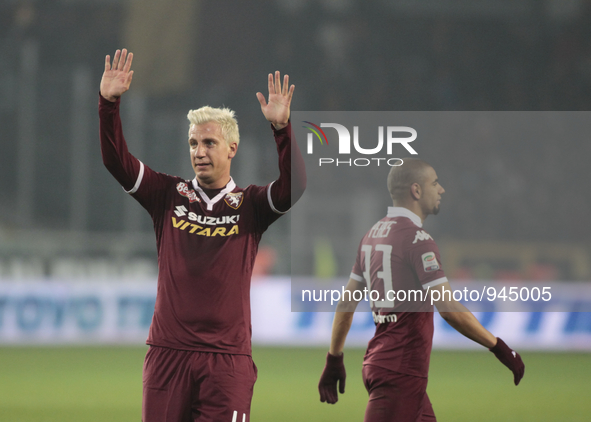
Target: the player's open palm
pixel 276 109
pixel 117 76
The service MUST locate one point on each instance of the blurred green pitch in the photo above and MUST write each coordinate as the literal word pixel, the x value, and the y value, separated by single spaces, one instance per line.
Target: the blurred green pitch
pixel 81 384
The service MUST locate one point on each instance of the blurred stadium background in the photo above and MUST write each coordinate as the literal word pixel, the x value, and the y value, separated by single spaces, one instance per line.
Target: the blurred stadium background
pixel 72 244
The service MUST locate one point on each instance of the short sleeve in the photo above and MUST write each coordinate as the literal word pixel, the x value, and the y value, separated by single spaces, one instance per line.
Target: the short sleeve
pixel 357 271
pixel 425 260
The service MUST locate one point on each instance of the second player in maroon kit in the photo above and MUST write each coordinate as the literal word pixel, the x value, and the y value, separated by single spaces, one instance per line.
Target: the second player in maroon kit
pixel 398 255
pixel 199 365
pixel 402 341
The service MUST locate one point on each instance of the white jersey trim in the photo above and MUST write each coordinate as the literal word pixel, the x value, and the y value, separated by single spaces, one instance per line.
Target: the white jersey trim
pixel 275 210
pixel 404 212
pixel 435 282
pixel 356 277
pixel 138 182
pixel 211 202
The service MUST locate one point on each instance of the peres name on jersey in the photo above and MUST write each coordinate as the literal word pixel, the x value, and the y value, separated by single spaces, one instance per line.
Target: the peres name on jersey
pixel 381 229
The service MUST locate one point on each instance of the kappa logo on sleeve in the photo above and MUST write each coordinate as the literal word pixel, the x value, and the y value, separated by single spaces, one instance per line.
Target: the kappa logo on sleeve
pixel 429 261
pixel 421 235
pixel 234 200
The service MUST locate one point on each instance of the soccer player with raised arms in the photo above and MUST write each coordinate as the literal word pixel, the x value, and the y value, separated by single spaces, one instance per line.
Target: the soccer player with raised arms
pixel 199 365
pixel 396 254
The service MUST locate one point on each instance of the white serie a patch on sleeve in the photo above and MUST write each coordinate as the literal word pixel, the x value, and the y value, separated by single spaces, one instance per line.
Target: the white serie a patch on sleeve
pixel 429 261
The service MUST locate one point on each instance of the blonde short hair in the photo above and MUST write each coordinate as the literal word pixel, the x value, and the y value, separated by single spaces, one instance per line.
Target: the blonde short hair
pixel 222 116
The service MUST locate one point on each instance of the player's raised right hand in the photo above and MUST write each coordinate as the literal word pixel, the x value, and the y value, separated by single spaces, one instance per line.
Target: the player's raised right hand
pixel 116 78
pixel 510 358
pixel 334 372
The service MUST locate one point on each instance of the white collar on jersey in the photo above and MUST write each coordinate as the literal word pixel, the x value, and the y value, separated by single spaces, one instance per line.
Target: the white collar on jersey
pixel 405 212
pixel 211 202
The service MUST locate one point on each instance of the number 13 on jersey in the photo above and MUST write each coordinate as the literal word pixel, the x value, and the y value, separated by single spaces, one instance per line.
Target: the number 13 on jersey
pixel 385 274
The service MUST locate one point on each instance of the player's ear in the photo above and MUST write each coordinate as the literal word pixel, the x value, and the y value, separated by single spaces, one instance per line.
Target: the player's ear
pixel 415 191
pixel 232 149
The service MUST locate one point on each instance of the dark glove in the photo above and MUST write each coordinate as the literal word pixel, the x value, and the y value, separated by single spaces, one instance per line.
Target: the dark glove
pixel 510 359
pixel 333 371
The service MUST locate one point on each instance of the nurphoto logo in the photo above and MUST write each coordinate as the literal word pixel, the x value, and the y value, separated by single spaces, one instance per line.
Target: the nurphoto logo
pixel 385 137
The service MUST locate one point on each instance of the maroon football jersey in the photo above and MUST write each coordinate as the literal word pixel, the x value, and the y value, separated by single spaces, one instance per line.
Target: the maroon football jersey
pixel 398 255
pixel 206 246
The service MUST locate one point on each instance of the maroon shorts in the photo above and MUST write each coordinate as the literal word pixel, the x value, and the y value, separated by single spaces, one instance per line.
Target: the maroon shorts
pixel 396 397
pixel 185 386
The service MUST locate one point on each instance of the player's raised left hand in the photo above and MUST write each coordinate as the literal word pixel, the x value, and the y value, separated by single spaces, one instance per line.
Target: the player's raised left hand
pixel 277 108
pixel 510 358
pixel 334 372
